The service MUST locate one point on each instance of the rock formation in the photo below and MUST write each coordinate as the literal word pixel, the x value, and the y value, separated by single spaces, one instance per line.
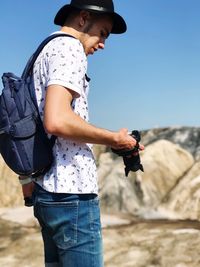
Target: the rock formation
pixel 169 187
pixel 10 189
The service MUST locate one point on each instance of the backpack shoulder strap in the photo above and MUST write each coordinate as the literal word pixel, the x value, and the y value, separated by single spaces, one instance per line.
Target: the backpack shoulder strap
pixel 32 60
pixel 29 67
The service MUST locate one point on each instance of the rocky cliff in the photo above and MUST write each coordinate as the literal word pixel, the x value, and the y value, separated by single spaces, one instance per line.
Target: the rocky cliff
pixel 10 190
pixel 168 188
pixel 170 185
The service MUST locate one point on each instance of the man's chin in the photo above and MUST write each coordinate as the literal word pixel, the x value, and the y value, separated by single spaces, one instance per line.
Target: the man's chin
pixel 91 52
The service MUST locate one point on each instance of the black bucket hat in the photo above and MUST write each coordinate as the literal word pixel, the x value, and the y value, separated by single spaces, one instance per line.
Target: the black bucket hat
pixel 97 6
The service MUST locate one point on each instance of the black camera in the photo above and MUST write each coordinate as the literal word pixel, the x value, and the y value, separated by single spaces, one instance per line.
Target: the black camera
pixel 131 157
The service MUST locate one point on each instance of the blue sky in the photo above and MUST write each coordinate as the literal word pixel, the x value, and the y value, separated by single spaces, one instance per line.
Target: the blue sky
pixel 148 77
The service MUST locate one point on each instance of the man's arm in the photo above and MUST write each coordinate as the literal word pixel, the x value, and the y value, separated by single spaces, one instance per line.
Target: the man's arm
pixel 60 120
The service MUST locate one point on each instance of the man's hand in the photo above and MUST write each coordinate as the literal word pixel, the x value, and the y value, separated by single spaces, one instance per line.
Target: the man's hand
pixel 131 156
pixel 125 141
pixel 27 189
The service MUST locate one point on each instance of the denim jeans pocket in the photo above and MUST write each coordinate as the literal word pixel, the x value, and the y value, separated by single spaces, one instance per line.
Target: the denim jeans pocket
pixel 61 219
pixel 95 221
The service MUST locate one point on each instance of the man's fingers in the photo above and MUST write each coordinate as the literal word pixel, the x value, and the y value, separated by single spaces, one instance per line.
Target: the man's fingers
pixel 141 147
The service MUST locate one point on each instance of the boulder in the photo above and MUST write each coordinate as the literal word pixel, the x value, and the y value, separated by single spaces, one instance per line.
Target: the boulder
pixel 164 165
pixel 10 189
pixel 184 199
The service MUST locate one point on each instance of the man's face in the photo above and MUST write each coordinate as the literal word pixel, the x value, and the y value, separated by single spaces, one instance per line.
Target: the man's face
pixel 96 32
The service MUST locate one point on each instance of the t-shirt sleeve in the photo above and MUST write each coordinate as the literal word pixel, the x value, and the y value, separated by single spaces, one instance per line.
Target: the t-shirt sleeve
pixel 65 67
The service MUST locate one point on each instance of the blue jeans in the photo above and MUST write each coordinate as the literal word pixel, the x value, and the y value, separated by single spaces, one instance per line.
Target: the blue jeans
pixel 71 228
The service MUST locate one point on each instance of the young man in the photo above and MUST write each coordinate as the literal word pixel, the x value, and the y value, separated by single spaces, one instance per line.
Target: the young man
pixel 66 198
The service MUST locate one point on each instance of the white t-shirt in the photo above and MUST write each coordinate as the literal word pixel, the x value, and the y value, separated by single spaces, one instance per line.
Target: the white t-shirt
pixel 63 62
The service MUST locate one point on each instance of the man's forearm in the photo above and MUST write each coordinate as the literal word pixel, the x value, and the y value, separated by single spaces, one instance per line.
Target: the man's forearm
pixel 73 127
pixel 64 122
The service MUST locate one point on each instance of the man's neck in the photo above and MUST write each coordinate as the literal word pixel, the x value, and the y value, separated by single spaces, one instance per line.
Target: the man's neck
pixel 71 31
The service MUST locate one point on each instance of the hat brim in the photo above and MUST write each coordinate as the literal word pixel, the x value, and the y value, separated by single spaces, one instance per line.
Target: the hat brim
pixel 119 25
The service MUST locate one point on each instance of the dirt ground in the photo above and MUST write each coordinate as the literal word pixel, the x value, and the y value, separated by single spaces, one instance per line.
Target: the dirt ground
pixel 127 243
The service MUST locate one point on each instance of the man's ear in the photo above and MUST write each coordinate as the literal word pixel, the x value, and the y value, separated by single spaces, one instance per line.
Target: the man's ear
pixel 84 16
